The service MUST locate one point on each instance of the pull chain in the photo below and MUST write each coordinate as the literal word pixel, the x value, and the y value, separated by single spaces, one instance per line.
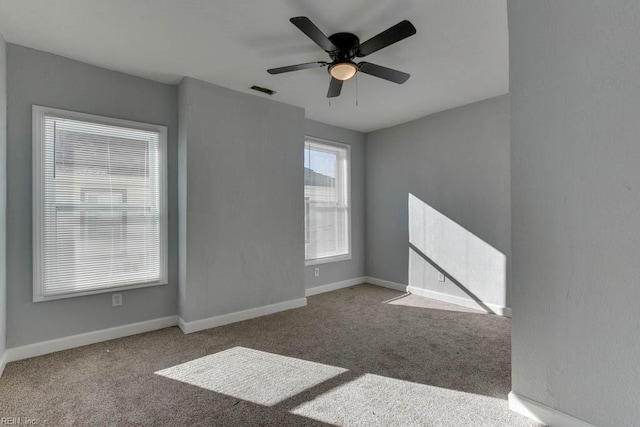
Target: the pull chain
pixel 356 89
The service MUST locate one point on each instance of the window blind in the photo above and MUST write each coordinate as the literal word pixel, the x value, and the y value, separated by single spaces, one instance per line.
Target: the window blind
pixel 326 200
pixel 101 206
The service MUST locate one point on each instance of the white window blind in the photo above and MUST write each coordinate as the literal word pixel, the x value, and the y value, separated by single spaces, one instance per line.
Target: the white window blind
pixel 326 188
pixel 99 204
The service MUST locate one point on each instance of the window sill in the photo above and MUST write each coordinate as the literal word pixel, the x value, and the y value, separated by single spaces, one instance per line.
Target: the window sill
pixel 42 298
pixel 327 260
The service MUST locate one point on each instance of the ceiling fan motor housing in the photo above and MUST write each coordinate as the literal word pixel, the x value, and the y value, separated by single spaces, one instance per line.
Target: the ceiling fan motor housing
pixel 347 45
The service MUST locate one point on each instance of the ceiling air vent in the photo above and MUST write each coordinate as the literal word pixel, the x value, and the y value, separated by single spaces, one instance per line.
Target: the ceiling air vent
pixel 263 90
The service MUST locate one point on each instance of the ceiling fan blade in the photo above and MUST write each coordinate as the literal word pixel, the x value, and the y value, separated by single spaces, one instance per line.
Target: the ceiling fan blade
pixel 383 72
pixel 296 67
pixel 398 32
pixel 306 26
pixel 335 87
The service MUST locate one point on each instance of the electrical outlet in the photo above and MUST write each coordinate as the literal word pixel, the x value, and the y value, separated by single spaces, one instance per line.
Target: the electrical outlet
pixel 440 277
pixel 116 300
pixel 316 272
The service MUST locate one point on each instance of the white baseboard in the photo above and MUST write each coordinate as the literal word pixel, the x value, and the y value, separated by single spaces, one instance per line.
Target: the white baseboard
pixel 3 362
pixel 465 302
pixel 543 414
pixel 386 284
pixel 239 316
pixel 65 343
pixel 182 325
pixel 335 286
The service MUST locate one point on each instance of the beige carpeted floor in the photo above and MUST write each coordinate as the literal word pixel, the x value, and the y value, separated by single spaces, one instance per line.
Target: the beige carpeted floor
pixel 358 356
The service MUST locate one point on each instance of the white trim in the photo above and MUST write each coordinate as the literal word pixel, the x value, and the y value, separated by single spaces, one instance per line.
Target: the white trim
pixel 334 286
pixel 115 289
pixel 386 284
pixel 543 414
pixel 182 325
pixel 465 302
pixel 239 316
pixel 38 177
pixel 327 260
pixel 3 362
pixel 65 343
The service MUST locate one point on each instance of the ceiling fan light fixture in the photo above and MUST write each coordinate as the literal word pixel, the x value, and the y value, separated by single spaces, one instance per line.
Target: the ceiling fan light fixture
pixel 343 70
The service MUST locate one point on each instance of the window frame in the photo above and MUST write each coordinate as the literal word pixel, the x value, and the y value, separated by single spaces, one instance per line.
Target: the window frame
pixel 38 186
pixel 347 177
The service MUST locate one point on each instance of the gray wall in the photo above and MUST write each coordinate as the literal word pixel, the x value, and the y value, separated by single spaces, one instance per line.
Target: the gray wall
pixel 3 194
pixel 353 268
pixel 36 77
pixel 575 146
pixel 456 162
pixel 243 213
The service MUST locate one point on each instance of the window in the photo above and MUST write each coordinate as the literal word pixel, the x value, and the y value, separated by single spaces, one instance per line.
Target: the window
pixel 99 204
pixel 326 201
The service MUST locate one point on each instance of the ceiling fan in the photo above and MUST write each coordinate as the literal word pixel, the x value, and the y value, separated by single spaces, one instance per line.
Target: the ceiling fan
pixel 343 48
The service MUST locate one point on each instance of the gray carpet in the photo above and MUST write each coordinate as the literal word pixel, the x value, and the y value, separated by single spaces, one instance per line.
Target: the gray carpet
pixel 359 356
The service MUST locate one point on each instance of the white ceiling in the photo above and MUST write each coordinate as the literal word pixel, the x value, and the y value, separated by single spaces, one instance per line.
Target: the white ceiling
pixel 458 56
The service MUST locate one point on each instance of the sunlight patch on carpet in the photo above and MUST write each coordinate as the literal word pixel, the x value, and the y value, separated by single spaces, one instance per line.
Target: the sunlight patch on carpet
pixel 411 300
pixel 373 400
pixel 252 375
